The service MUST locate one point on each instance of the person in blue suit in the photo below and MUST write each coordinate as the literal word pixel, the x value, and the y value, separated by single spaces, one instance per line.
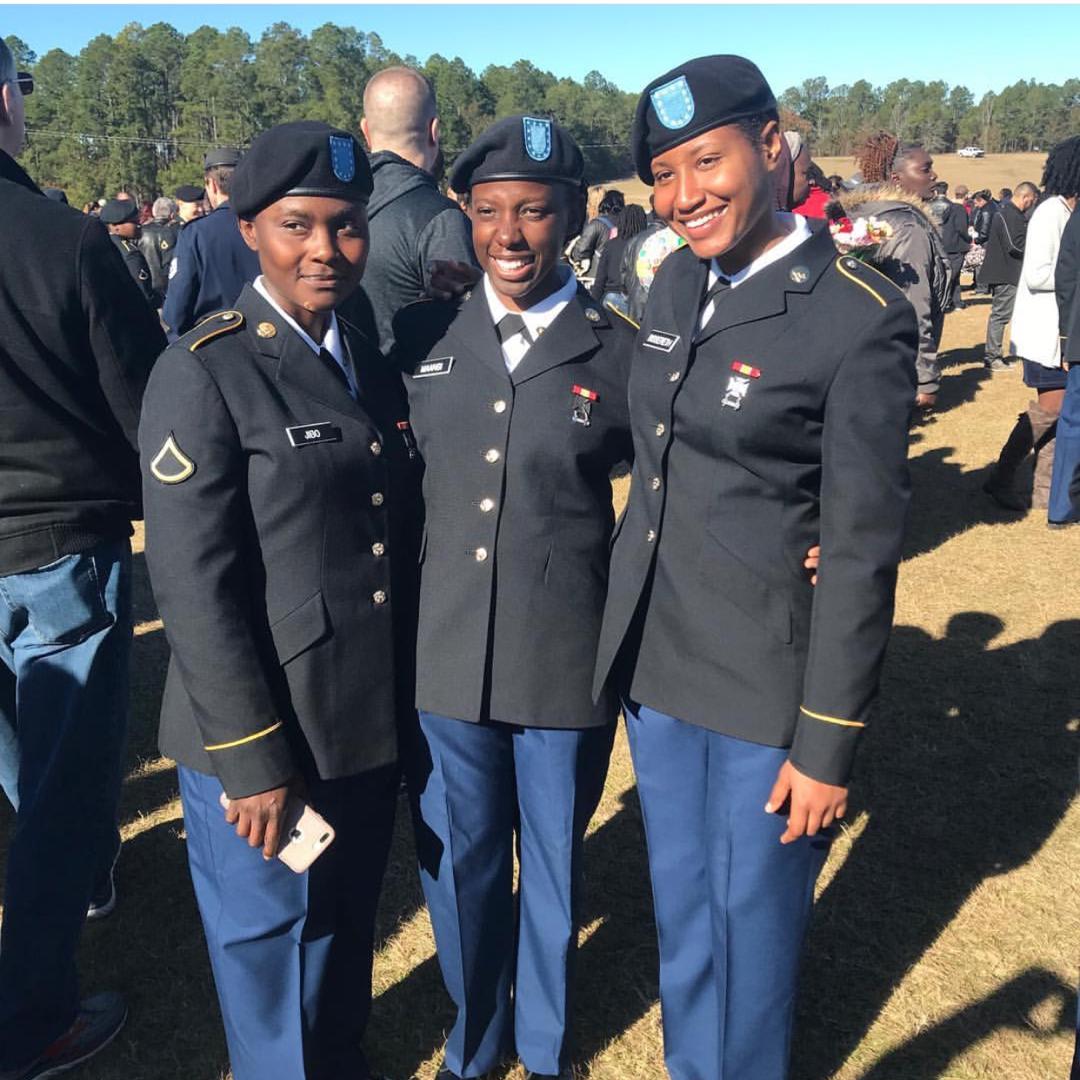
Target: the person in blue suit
pixel 212 263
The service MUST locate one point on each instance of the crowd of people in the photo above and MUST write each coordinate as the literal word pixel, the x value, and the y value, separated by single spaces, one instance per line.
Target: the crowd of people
pixel 372 437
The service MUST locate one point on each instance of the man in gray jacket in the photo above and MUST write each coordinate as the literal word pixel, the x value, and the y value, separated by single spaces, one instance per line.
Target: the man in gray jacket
pixel 413 226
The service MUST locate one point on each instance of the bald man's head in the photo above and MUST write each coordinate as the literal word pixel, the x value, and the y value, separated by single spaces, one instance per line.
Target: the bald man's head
pixel 400 115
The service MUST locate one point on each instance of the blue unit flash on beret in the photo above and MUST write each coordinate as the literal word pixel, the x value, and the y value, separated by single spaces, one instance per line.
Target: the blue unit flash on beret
pixel 674 104
pixel 342 158
pixel 537 137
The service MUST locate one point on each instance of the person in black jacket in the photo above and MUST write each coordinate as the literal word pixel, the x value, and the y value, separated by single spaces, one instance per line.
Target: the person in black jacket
pixel 158 245
pixel 414 228
pixel 76 345
pixel 121 216
pixel 770 396
pixel 952 222
pixel 519 405
pixel 281 487
pixel 589 246
pixel 608 285
pixel 1000 270
pixel 983 211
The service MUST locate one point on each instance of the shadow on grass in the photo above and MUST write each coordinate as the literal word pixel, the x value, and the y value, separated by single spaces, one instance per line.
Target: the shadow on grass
pixel 946 500
pixel 1009 1006
pixel 959 387
pixel 967 770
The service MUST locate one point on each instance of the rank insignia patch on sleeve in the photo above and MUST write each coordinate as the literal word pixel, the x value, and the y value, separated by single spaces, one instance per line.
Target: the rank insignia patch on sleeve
pixel 171 465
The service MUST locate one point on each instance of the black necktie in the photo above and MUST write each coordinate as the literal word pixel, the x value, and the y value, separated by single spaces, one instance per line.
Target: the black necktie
pixel 713 294
pixel 511 324
pixel 721 285
pixel 327 357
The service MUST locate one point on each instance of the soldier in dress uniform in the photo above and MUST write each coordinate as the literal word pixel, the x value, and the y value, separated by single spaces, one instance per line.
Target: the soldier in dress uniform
pixel 282 490
pixel 190 203
pixel 770 395
pixel 518 404
pixel 212 263
pixel 122 218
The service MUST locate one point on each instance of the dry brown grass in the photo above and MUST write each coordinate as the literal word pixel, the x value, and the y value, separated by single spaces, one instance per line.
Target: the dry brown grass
pixel 948 917
pixel 994 171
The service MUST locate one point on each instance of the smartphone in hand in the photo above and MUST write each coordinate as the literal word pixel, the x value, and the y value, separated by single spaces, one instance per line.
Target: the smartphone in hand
pixel 306 834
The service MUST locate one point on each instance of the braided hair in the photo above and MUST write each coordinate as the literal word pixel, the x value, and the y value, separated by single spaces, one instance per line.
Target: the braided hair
pixel 1062 173
pixel 881 155
pixel 632 220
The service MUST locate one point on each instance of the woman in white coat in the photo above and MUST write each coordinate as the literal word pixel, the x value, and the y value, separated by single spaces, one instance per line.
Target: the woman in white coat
pixel 1035 334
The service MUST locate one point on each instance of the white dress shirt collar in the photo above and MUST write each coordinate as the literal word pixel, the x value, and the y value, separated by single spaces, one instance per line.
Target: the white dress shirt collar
pixel 537 318
pixel 332 342
pixel 799 233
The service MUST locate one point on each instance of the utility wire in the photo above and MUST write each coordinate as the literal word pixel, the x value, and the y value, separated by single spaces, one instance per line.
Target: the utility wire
pixel 143 140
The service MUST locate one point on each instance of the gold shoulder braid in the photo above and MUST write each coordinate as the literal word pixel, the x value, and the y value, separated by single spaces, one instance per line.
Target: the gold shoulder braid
pixel 608 306
pixel 216 325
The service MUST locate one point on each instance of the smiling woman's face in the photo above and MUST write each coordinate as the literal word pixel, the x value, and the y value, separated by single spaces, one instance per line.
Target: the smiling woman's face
pixel 312 250
pixel 716 191
pixel 519 228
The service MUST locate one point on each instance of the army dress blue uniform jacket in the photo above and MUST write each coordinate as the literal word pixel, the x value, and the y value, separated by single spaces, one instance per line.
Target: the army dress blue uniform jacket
pixel 281 538
pixel 785 424
pixel 518 514
pixel 210 267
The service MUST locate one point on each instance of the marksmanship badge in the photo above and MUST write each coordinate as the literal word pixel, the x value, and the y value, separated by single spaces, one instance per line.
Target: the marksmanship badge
pixel 736 390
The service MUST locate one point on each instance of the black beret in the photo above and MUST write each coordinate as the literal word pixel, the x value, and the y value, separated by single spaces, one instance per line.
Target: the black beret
pixel 222 155
pixel 117 211
pixel 695 97
pixel 305 157
pixel 189 193
pixel 520 148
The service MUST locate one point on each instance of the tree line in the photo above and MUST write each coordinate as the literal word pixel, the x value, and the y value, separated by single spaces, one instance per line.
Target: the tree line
pixel 1025 116
pixel 136 111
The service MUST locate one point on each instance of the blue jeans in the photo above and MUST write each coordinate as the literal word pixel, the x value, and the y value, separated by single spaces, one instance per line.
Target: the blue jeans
pixel 65 644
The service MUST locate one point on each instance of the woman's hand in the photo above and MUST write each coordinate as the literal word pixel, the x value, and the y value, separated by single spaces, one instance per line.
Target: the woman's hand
pixel 813 805
pixel 813 557
pixel 258 818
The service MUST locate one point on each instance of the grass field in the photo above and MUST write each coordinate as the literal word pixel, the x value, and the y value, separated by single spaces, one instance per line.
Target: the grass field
pixel 994 171
pixel 945 940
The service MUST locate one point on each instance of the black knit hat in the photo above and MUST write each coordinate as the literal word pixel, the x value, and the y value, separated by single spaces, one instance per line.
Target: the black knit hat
pixel 117 211
pixel 520 148
pixel 695 97
pixel 305 157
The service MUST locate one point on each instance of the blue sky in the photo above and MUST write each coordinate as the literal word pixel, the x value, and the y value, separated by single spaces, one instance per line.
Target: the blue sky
pixel 978 46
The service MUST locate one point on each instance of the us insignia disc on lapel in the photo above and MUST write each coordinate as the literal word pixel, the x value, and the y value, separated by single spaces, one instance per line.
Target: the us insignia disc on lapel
pixel 799 274
pixel 592 314
pixel 171 465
